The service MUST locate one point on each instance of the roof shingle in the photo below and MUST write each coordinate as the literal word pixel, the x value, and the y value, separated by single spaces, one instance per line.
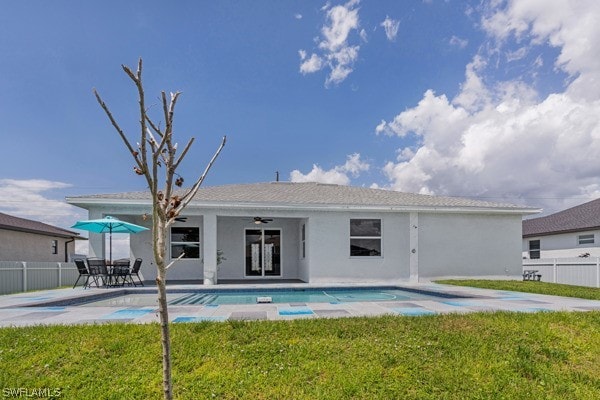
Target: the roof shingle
pixel 579 218
pixel 10 222
pixel 312 194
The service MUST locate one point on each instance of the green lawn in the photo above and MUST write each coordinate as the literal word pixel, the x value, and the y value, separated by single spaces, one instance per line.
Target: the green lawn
pixel 474 356
pixel 554 289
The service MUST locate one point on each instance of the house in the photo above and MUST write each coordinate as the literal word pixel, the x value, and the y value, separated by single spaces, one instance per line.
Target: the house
pixel 316 233
pixel 574 232
pixel 26 240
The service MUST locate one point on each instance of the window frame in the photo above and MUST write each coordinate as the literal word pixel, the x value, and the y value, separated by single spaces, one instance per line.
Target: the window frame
pixel 366 237
pixel 533 251
pixel 584 239
pixel 303 242
pixel 184 243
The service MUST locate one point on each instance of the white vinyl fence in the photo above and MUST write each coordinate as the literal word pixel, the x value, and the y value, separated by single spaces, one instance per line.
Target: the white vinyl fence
pixel 569 271
pixel 21 276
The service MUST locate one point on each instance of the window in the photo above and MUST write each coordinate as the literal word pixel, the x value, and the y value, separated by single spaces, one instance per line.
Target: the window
pixel 303 241
pixel 365 238
pixel 534 249
pixel 185 240
pixel 585 239
pixel 55 247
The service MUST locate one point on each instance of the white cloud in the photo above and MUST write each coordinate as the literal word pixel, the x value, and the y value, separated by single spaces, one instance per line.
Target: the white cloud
pixel 391 28
pixel 335 51
pixel 474 92
pixel 363 35
pixel 338 175
pixel 310 65
pixel 341 65
pixel 342 20
pixel 500 140
pixel 25 199
pixel 516 54
pixel 298 16
pixel 317 174
pixel 354 165
pixel 458 42
pixel 571 26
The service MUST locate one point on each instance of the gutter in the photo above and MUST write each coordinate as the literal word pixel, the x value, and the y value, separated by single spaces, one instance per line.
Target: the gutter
pixel 573 230
pixel 66 249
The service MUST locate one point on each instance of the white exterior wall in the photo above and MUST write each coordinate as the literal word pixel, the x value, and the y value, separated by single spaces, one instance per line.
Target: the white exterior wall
pixel 457 245
pixel 564 245
pixel 303 264
pixel 27 246
pixel 328 249
pixel 444 244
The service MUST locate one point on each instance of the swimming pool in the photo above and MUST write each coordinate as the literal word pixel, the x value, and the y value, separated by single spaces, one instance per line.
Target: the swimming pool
pixel 215 297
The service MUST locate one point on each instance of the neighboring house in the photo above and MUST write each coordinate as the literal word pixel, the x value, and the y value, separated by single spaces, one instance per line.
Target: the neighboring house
pixel 323 233
pixel 574 232
pixel 26 240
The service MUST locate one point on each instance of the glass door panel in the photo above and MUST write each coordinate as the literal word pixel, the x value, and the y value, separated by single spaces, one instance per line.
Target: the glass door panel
pixel 263 252
pixel 272 252
pixel 253 252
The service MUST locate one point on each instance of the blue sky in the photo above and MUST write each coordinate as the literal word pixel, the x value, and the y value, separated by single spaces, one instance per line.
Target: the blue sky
pixel 489 99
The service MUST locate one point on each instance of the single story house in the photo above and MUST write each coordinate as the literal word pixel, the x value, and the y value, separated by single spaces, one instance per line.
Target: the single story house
pixel 27 240
pixel 574 232
pixel 315 233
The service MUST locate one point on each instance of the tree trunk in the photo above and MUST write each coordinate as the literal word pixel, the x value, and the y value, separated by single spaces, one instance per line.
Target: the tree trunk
pixel 159 234
pixel 165 333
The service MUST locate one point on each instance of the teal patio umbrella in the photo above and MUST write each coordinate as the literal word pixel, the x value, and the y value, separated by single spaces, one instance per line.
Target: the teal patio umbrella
pixel 108 225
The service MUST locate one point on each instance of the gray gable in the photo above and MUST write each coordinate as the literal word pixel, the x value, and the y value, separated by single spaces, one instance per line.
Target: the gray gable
pixel 311 194
pixel 8 222
pixel 579 218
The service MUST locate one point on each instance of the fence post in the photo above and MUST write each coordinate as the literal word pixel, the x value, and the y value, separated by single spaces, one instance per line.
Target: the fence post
pixel 554 270
pixel 24 276
pixel 598 272
pixel 59 274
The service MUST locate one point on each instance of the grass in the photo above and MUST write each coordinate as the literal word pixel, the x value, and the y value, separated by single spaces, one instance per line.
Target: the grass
pixel 473 356
pixel 553 289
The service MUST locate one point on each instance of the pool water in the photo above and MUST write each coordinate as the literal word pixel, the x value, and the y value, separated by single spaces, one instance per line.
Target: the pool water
pixel 278 296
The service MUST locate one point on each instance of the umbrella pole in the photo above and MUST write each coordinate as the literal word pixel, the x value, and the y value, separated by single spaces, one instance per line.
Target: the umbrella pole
pixel 110 245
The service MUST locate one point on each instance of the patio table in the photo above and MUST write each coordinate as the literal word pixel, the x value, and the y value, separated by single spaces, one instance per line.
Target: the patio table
pixel 531 275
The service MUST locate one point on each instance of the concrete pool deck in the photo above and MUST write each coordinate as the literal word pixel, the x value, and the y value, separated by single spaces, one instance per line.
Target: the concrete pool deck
pixel 32 308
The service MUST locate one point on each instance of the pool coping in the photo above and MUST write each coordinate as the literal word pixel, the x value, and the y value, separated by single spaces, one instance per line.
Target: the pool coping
pixel 109 293
pixel 40 307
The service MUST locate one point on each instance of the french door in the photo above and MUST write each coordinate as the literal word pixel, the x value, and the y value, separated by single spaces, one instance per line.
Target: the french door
pixel 263 252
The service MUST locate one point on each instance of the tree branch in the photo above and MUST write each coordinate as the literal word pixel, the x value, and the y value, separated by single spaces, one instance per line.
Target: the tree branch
pixel 190 195
pixel 175 260
pixel 183 153
pixel 134 153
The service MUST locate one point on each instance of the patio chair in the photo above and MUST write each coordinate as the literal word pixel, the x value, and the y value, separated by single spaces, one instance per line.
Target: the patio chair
pixel 99 272
pixel 120 272
pixel 135 271
pixel 83 272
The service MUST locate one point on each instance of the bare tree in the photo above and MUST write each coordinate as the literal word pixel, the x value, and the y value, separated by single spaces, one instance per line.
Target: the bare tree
pixel 156 159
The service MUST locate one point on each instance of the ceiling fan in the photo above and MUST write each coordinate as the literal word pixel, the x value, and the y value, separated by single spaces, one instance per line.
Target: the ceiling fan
pixel 260 220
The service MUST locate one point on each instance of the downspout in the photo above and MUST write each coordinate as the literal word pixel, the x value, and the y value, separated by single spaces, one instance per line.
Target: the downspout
pixel 67 248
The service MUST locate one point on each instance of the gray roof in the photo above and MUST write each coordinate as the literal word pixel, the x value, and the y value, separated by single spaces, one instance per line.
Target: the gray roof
pixel 8 222
pixel 309 195
pixel 583 217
